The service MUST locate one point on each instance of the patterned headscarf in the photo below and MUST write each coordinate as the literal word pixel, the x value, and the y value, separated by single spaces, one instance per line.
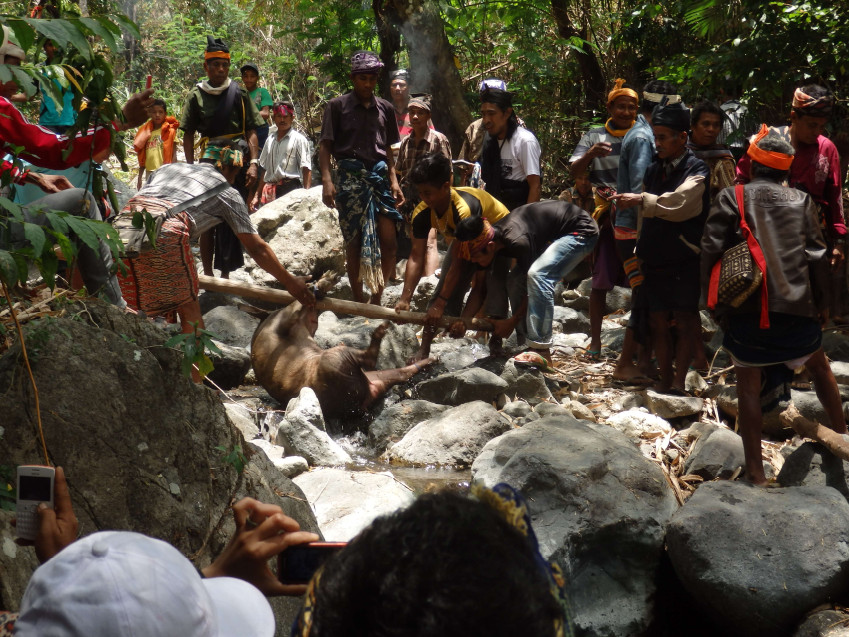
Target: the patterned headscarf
pixel 813 106
pixel 284 109
pixel 365 62
pixel 769 158
pixel 474 246
pixel 511 506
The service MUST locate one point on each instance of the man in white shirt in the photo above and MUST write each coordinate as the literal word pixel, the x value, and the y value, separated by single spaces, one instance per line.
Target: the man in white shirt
pixel 286 158
pixel 510 156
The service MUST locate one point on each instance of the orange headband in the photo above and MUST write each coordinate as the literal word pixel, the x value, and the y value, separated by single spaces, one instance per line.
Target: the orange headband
pixel 618 91
pixel 470 248
pixel 208 55
pixel 768 158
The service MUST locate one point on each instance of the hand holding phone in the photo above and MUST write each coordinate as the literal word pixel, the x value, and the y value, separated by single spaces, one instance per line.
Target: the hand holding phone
pixel 297 564
pixel 34 486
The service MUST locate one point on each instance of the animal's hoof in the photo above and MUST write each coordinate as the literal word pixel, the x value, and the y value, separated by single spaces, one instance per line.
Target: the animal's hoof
pixel 381 330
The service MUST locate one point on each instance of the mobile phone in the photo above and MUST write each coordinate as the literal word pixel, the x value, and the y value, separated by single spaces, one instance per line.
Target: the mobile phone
pixel 297 564
pixel 149 81
pixel 34 485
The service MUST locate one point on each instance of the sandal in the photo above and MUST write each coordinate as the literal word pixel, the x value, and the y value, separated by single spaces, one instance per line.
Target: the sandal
pixel 532 359
pixel 593 354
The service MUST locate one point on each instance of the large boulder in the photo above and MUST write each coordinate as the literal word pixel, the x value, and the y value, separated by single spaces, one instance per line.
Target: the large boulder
pixel 452 438
pixel 825 623
pixel 230 325
pixel 345 502
pixel 143 447
pixel 599 508
pixel 669 406
pixel 811 465
pixel 758 559
pixel 466 385
pixel 302 232
pixel 302 432
pixel 395 421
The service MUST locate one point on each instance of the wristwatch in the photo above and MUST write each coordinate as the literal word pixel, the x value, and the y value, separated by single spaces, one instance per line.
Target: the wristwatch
pixel 254 161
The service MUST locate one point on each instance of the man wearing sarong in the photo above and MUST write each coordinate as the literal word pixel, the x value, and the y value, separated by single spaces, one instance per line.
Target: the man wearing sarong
pixel 816 171
pixel 443 207
pixel 778 328
pixel 164 281
pixel 637 154
pixel 220 108
pixel 358 130
pixel 673 209
pixel 599 151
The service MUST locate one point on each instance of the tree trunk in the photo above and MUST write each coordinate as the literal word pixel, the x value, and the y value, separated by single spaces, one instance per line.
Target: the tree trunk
pixel 432 67
pixel 390 41
pixel 592 78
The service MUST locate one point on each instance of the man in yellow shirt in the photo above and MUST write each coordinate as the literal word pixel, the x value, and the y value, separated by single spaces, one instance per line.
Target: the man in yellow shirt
pixel 442 207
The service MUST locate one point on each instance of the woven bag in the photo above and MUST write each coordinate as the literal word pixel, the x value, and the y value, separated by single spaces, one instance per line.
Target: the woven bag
pixel 739 277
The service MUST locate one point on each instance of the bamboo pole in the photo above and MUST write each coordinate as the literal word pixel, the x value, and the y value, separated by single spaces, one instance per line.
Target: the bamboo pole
pixel 335 305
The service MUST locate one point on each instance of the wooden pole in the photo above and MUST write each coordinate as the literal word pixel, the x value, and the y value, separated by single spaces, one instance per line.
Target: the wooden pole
pixel 335 305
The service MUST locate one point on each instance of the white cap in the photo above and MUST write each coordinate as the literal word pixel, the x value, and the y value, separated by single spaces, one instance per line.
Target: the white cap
pixel 121 584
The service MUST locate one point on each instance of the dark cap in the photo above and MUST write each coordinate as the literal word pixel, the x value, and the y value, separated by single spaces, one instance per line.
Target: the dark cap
pixel 674 116
pixel 422 100
pixel 249 65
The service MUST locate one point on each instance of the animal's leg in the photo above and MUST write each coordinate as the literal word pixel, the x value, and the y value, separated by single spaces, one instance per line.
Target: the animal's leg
pixel 380 381
pixel 370 354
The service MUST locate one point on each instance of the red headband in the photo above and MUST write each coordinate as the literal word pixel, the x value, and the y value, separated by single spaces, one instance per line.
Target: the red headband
pixel 284 109
pixel 470 248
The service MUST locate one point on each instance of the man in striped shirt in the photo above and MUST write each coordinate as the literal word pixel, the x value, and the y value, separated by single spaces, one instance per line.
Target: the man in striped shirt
pixel 599 151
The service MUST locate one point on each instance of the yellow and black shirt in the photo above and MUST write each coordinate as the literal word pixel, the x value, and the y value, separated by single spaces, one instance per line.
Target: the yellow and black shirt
pixel 465 202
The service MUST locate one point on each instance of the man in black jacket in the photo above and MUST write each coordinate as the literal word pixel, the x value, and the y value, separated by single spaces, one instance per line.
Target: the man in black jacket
pixel 673 210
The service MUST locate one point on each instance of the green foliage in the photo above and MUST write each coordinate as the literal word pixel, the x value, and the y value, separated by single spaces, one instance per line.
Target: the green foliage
pixel 234 457
pixel 194 348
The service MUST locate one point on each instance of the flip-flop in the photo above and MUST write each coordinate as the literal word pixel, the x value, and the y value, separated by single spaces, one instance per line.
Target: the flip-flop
pixel 532 359
pixel 592 354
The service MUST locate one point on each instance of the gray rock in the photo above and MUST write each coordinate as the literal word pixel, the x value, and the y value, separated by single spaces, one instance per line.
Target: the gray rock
pixel 637 422
pixel 581 411
pixel 303 232
pixel 457 354
pixel 694 382
pixel 836 346
pixel 570 320
pixel 517 409
pixel 809 406
pixel 138 440
pixel 758 559
pixel 302 433
pixel 289 466
pixel 243 419
pixel 716 454
pixel 345 502
pixel 526 383
pixel 395 421
pixel 546 409
pixel 453 438
pixel 811 465
pixel 825 623
pixel 598 507
pixel 840 369
pixel 668 406
pixel 230 325
pixel 462 386
pixel 397 347
pixel 231 365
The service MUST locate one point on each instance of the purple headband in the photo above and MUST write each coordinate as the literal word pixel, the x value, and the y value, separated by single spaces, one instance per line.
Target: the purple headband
pixel 365 62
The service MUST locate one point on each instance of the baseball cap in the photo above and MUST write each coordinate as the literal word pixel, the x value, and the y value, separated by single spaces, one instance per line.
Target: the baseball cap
pixel 249 65
pixel 117 584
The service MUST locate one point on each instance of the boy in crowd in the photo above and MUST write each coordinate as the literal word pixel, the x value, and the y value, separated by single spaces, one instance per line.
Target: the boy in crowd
pixel 706 125
pixel 155 141
pixel 598 151
pixel 286 159
pixel 260 96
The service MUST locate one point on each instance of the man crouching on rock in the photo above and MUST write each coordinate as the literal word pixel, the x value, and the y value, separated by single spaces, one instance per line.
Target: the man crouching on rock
pixel 443 207
pixel 164 281
pixel 547 239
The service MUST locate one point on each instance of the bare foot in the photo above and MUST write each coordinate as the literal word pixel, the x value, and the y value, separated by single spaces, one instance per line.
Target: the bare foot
pixel 375 298
pixel 628 371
